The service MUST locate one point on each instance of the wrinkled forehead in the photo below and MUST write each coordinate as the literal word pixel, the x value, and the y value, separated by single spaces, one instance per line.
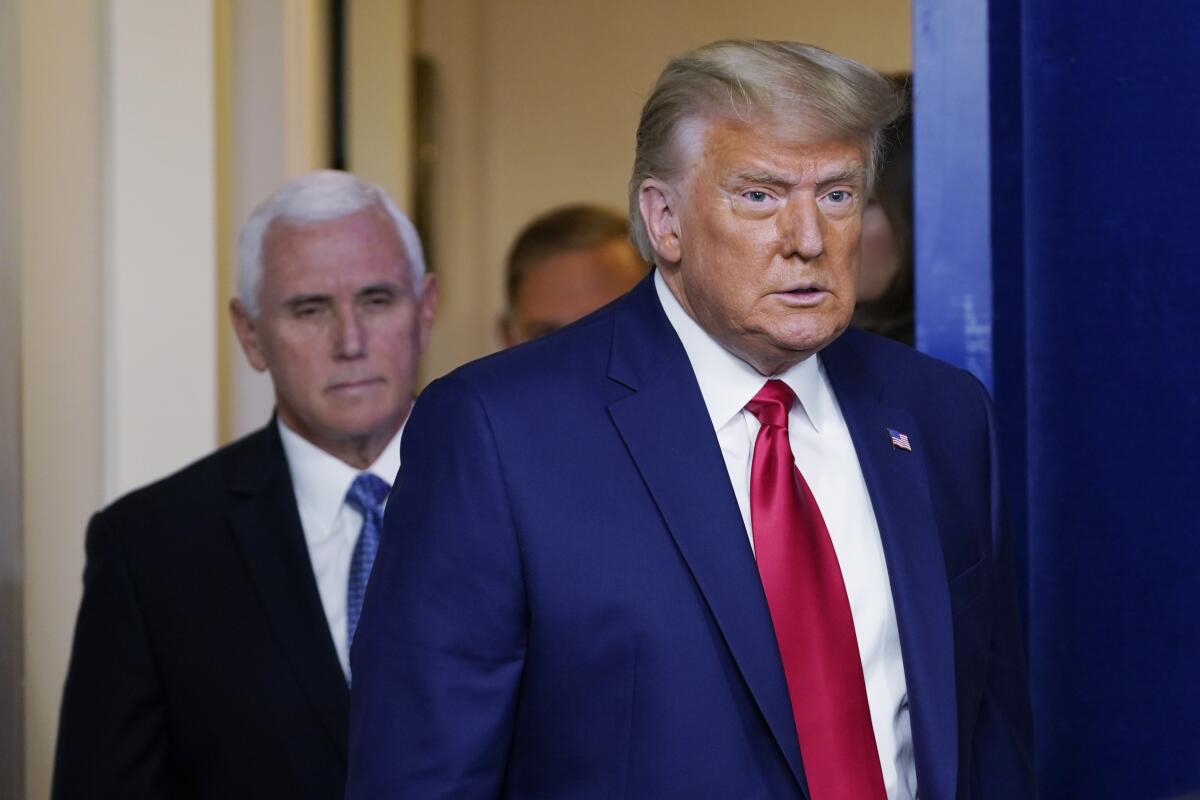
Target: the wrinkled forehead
pixel 362 242
pixel 692 135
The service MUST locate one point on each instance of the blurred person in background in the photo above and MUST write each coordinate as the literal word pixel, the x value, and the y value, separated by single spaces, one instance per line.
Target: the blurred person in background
pixel 563 265
pixel 210 656
pixel 885 273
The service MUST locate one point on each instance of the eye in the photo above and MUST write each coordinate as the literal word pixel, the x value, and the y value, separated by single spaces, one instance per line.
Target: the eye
pixel 756 196
pixel 839 196
pixel 378 299
pixel 307 310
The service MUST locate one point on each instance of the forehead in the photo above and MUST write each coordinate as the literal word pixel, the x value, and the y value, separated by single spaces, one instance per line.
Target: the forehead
pixel 773 145
pixel 363 247
pixel 582 271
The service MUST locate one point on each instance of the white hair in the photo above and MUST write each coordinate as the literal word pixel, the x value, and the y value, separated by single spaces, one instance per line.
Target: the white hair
pixel 317 197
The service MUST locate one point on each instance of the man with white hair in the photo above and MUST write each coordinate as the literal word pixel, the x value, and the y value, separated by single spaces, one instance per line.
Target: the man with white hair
pixel 211 652
pixel 706 542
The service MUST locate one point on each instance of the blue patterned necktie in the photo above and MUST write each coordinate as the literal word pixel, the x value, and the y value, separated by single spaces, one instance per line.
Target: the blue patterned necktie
pixel 366 494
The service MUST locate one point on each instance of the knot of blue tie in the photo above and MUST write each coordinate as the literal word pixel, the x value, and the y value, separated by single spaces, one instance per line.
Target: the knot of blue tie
pixel 366 494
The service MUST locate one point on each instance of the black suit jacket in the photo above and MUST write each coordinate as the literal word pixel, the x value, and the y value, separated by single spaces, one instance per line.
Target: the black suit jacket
pixel 202 664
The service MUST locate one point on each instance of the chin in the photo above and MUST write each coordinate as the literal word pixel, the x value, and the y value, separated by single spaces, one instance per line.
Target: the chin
pixel 356 424
pixel 808 338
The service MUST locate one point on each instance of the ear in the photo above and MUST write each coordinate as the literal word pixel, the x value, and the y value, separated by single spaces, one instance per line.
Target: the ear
pixel 426 310
pixel 246 328
pixel 659 204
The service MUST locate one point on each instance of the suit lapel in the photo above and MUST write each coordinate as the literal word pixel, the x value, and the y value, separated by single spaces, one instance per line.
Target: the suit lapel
pixel 267 528
pixel 898 485
pixel 667 431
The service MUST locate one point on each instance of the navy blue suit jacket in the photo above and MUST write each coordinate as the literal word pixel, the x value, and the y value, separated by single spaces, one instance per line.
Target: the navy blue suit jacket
pixel 565 603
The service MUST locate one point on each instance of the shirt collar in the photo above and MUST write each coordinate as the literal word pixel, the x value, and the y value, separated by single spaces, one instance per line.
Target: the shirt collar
pixel 321 480
pixel 728 383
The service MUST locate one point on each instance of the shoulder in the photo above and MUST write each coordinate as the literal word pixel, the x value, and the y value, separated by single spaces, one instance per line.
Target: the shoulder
pixel 906 376
pixel 947 405
pixel 190 497
pixel 552 390
pixel 544 371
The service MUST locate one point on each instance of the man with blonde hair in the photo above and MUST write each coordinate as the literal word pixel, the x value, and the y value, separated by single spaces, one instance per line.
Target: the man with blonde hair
pixel 707 542
pixel 211 655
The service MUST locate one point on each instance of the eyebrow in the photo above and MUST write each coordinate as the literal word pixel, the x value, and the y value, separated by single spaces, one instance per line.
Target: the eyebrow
pixel 301 299
pixel 770 178
pixel 855 172
pixel 318 297
pixel 376 288
pixel 851 172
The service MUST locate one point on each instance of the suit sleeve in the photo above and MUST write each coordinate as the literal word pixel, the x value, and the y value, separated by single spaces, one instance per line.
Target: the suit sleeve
pixel 112 739
pixel 439 652
pixel 1002 745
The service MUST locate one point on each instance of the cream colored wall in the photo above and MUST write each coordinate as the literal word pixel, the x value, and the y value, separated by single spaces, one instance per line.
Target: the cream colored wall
pixel 62 341
pixel 379 95
pixel 450 32
pixel 539 101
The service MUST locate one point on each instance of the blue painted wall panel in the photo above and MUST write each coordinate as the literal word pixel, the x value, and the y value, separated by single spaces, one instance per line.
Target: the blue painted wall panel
pixel 1112 262
pixel 951 179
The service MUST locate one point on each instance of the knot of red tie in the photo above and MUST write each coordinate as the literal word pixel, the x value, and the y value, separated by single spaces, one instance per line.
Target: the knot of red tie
pixel 772 403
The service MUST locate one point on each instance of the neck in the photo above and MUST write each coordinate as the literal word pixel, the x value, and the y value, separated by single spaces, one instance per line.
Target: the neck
pixel 359 452
pixel 769 365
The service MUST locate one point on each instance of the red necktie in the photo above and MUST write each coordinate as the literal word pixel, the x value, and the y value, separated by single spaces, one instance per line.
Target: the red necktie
pixel 811 614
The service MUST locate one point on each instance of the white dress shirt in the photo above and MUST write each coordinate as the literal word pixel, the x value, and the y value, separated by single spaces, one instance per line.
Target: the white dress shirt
pixel 825 455
pixel 331 525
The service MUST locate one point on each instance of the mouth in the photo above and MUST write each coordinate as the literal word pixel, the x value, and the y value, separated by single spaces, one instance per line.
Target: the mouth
pixel 803 295
pixel 354 386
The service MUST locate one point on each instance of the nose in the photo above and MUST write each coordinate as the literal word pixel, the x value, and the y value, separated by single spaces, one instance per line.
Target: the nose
pixel 350 339
pixel 801 229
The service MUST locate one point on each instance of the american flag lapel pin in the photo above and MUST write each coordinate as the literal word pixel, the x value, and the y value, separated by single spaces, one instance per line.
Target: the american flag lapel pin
pixel 899 440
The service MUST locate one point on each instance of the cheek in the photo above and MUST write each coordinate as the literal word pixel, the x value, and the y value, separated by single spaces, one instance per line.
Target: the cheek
pixel 295 357
pixel 843 246
pixel 395 340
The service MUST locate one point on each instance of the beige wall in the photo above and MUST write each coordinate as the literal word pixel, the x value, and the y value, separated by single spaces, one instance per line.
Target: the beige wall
pixel 62 326
pixel 539 102
pixel 379 95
